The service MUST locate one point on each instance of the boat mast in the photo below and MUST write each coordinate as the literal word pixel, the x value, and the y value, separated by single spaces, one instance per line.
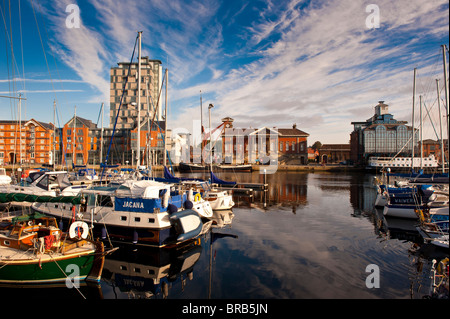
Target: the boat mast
pixel 54 134
pixel 165 121
pixel 446 94
pixel 101 139
pixel 20 129
pixel 138 151
pixel 413 132
pixel 74 162
pixel 440 125
pixel 201 127
pixel 421 134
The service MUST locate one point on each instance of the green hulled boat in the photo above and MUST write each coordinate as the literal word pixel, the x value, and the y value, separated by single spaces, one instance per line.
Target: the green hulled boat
pixel 33 250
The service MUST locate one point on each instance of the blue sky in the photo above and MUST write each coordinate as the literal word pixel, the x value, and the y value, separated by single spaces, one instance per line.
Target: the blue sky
pixel 263 63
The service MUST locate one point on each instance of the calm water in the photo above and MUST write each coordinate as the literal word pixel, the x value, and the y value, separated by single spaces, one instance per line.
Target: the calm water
pixel 311 235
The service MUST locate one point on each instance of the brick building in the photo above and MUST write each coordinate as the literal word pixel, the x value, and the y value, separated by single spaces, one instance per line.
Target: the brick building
pixel 432 147
pixel 334 153
pixel 30 142
pixel 251 145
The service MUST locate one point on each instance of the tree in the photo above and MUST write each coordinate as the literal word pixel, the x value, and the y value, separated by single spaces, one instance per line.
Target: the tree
pixel 316 146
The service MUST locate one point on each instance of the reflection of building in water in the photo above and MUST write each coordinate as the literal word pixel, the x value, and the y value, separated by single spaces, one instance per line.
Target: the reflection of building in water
pixel 362 192
pixel 286 190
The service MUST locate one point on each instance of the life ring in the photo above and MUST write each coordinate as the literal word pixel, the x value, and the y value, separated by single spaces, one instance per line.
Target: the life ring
pixel 78 230
pixel 197 197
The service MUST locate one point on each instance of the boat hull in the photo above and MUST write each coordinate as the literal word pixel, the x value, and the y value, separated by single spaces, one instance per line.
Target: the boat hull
pixel 192 167
pixel 125 227
pixel 51 270
pixel 409 211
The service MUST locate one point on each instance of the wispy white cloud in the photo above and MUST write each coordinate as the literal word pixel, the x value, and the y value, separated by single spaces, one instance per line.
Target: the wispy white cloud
pixel 41 91
pixel 313 63
pixel 326 63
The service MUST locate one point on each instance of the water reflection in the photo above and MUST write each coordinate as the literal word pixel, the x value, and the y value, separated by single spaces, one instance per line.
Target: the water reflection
pixel 140 272
pixel 146 272
pixel 310 235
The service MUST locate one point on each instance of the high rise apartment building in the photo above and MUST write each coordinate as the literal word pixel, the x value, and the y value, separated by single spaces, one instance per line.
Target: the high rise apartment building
pixel 151 79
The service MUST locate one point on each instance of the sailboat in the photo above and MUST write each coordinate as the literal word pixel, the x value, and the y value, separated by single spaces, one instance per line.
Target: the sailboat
pixel 135 211
pixel 419 190
pixel 33 250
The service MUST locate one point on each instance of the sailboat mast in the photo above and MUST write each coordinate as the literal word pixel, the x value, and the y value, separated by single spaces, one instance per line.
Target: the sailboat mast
pixel 413 132
pixel 421 134
pixel 54 135
pixel 165 120
pixel 440 126
pixel 446 94
pixel 74 162
pixel 201 127
pixel 138 151
pixel 101 139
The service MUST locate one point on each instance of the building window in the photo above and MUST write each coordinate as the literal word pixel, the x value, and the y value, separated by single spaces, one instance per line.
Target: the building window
pixel 281 146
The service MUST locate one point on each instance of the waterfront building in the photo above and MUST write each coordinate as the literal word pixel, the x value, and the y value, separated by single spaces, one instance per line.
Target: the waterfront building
pixel 77 142
pixel 334 153
pixel 432 147
pixel 293 147
pixel 381 135
pixel 26 142
pixel 124 77
pixel 245 145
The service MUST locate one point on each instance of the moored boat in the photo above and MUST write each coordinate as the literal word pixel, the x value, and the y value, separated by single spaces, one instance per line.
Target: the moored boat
pixel 41 183
pixel 33 250
pixel 139 212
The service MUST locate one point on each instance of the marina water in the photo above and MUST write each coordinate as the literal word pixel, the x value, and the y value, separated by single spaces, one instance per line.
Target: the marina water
pixel 310 235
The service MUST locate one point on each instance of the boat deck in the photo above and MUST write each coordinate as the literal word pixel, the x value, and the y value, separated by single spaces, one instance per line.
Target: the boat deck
pixel 12 255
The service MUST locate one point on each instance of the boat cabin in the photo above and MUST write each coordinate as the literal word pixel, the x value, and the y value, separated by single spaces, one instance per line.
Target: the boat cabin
pixel 23 232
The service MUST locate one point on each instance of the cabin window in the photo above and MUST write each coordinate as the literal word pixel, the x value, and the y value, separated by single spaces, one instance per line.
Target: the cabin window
pixel 123 267
pixel 151 220
pixel 6 242
pixel 137 270
pixel 43 183
pixel 137 219
pixel 123 218
pixel 105 201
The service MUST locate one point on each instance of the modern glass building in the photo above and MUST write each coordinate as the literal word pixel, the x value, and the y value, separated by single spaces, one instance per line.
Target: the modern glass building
pixel 381 135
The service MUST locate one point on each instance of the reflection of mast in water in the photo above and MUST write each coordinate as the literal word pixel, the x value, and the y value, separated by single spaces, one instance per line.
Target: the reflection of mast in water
pixel 221 219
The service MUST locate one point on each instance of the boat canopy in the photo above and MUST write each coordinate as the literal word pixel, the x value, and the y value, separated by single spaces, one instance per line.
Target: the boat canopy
pixel 216 180
pixel 21 197
pixel 143 188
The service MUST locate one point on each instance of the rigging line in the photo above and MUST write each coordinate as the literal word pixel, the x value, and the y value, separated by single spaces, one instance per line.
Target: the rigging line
pixel 432 124
pixel 23 64
pixel 430 78
pixel 12 48
pixel 43 49
pixel 53 56
pixel 8 40
pixel 120 105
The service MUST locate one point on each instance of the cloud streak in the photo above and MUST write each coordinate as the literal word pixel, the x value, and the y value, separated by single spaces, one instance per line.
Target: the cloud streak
pixel 273 63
